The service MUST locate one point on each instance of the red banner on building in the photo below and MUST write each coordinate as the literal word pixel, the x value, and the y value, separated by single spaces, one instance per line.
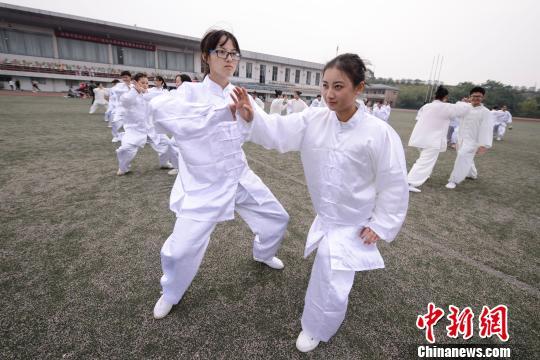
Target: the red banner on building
pixel 102 40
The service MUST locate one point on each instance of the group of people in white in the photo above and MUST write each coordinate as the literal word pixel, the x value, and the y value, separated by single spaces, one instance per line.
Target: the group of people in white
pixel 353 160
pixel 467 126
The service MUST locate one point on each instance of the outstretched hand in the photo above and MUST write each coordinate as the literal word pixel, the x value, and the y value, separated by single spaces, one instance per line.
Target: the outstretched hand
pixel 241 104
pixel 369 236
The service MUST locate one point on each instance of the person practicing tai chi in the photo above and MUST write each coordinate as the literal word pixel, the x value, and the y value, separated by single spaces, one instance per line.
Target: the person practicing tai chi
pixel 117 109
pixel 430 135
pixel 214 179
pixel 100 99
pixel 475 136
pixel 355 170
pixel 139 129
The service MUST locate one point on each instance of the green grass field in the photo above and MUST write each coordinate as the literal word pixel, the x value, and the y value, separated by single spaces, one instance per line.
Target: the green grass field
pixel 80 263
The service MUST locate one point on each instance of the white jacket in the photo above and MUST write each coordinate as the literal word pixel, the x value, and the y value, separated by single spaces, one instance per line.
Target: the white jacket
pixel 355 173
pixel 212 162
pixel 432 124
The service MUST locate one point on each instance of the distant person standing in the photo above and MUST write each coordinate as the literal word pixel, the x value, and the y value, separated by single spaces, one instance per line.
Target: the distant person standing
pixel 35 87
pixel 91 88
pixel 18 85
pixel 100 95
pixel 12 85
pixel 297 104
pixel 279 104
pixel 316 102
pixel 258 100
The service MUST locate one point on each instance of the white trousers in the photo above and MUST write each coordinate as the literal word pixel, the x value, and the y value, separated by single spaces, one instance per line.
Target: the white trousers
pixel 464 164
pixel 327 296
pixel 423 167
pixel 115 129
pixel 95 106
pixel 127 152
pixel 183 251
pixel 500 130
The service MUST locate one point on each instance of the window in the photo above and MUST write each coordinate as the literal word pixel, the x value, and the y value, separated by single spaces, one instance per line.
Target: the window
pixel 41 81
pixel 133 57
pixel 297 77
pixel 308 78
pixel 317 79
pixel 25 43
pixel 172 60
pixel 237 71
pixel 249 70
pixel 82 50
pixel 287 75
pixel 262 76
pixel 274 73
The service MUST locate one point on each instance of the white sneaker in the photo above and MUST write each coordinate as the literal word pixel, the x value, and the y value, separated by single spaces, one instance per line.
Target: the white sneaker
pixel 168 165
pixel 162 308
pixel 173 172
pixel 451 185
pixel 115 139
pixel 498 139
pixel 121 173
pixel 414 189
pixel 274 263
pixel 306 343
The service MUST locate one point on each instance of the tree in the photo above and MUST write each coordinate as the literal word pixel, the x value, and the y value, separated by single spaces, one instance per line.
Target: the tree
pixel 529 107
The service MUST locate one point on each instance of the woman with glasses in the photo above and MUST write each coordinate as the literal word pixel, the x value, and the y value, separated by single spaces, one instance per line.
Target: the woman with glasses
pixel 214 178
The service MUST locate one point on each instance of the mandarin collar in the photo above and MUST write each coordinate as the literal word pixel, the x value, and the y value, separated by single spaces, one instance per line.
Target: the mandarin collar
pixel 216 89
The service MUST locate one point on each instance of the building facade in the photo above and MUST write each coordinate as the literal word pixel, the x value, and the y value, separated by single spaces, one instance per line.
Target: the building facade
pixel 59 50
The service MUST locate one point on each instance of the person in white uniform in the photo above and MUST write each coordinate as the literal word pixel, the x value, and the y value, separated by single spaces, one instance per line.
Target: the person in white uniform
pixel 100 99
pixel 258 100
pixel 139 128
pixel 316 102
pixel 355 170
pixel 110 105
pixel 179 80
pixel 214 179
pixel 117 115
pixel 504 120
pixel 429 135
pixel 278 105
pixel 296 105
pixel 475 137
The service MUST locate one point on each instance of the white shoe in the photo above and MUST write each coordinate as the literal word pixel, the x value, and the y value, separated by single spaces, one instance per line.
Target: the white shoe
pixel 414 189
pixel 162 308
pixel 173 172
pixel 306 343
pixel 168 165
pixel 274 263
pixel 115 139
pixel 498 139
pixel 451 185
pixel 121 173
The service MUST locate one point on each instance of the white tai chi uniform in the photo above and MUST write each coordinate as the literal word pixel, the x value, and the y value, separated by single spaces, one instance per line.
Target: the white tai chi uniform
pixel 500 120
pixel 379 112
pixel 429 135
pixel 386 112
pixel 451 136
pixel 259 102
pixel 139 128
pixel 296 106
pixel 118 111
pixel 475 130
pixel 356 176
pixel 507 121
pixel 316 103
pixel 214 180
pixel 278 106
pixel 99 99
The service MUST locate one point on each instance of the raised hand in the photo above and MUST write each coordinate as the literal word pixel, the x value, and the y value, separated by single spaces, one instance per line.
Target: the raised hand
pixel 241 103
